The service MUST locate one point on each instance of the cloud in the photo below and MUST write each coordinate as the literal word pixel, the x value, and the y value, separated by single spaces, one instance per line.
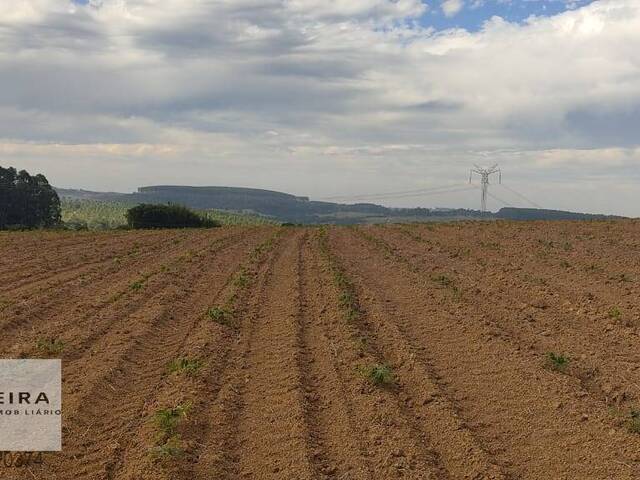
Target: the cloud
pixel 362 96
pixel 452 7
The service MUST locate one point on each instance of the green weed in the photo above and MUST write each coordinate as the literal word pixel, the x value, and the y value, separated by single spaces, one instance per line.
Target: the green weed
pixel 221 315
pixel 615 313
pixel 184 365
pixel 557 362
pixel 170 449
pixel 4 304
pixel 633 422
pixel 443 280
pixel 242 279
pixel 378 374
pixel 168 419
pixel 50 346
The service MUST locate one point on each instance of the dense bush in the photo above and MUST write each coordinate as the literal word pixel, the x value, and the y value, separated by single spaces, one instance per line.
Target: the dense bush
pixel 166 216
pixel 26 201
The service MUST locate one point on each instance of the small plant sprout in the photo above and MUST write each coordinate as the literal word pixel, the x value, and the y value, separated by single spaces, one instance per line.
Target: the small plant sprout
pixel 137 285
pixel 170 449
pixel 557 362
pixel 168 419
pixel 185 366
pixel 615 313
pixel 50 346
pixel 221 315
pixel 378 374
pixel 242 279
pixel 443 280
pixel 4 304
pixel 633 423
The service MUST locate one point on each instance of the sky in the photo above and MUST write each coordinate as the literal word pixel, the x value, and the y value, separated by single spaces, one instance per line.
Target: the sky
pixel 329 98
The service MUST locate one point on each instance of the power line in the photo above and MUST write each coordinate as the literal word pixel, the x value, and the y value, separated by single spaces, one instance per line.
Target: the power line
pixel 391 194
pixel 499 200
pixel 522 196
pixel 426 194
pixel 496 198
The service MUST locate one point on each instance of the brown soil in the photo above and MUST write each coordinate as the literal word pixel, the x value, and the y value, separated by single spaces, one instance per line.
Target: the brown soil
pixel 464 316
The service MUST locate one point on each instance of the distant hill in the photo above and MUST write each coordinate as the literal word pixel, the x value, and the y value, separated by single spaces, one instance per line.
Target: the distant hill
pixel 277 205
pixel 285 207
pixel 512 213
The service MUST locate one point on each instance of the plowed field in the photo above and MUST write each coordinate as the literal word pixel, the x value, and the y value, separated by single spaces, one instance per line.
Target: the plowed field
pixel 401 351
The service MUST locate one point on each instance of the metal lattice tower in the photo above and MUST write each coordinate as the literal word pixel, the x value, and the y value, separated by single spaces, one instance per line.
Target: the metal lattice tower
pixel 484 174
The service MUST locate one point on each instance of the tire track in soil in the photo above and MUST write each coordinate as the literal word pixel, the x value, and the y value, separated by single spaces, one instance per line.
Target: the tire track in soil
pixel 390 444
pixel 254 406
pixel 609 369
pixel 432 414
pixel 21 253
pixel 99 439
pixel 492 382
pixel 218 455
pixel 81 274
pixel 210 343
pixel 269 437
pixel 73 264
pixel 110 295
pixel 335 440
pixel 106 340
pixel 54 293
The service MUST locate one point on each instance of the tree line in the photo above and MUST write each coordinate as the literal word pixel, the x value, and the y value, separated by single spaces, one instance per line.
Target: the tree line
pixel 27 201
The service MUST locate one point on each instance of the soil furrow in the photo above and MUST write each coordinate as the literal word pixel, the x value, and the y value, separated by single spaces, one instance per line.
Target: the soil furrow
pixel 519 419
pixel 334 439
pixel 399 446
pixel 111 291
pixel 66 265
pixel 421 398
pixel 161 331
pixel 544 321
pixel 209 344
pixel 219 453
pixel 273 406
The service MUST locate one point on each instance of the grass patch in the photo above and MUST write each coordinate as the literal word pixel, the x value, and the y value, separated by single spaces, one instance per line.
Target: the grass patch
pixel 168 419
pixel 242 279
pixel 347 299
pixel 171 448
pixel 557 362
pixel 633 422
pixel 615 313
pixel 221 315
pixel 50 346
pixel 185 366
pixel 4 304
pixel 443 280
pixel 378 374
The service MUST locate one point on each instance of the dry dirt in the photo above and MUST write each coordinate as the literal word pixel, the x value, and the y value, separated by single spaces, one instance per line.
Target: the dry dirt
pixel 283 325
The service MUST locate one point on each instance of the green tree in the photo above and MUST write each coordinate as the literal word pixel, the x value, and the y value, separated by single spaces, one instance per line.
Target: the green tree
pixel 166 216
pixel 27 201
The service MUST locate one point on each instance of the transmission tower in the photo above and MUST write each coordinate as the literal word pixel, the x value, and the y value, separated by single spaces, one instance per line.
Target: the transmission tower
pixel 484 175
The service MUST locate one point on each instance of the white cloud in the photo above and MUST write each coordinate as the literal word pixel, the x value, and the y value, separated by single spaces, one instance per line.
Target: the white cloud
pixel 452 7
pixel 360 95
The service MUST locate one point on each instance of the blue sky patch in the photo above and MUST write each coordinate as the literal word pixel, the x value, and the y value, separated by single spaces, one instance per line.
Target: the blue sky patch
pixel 473 13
